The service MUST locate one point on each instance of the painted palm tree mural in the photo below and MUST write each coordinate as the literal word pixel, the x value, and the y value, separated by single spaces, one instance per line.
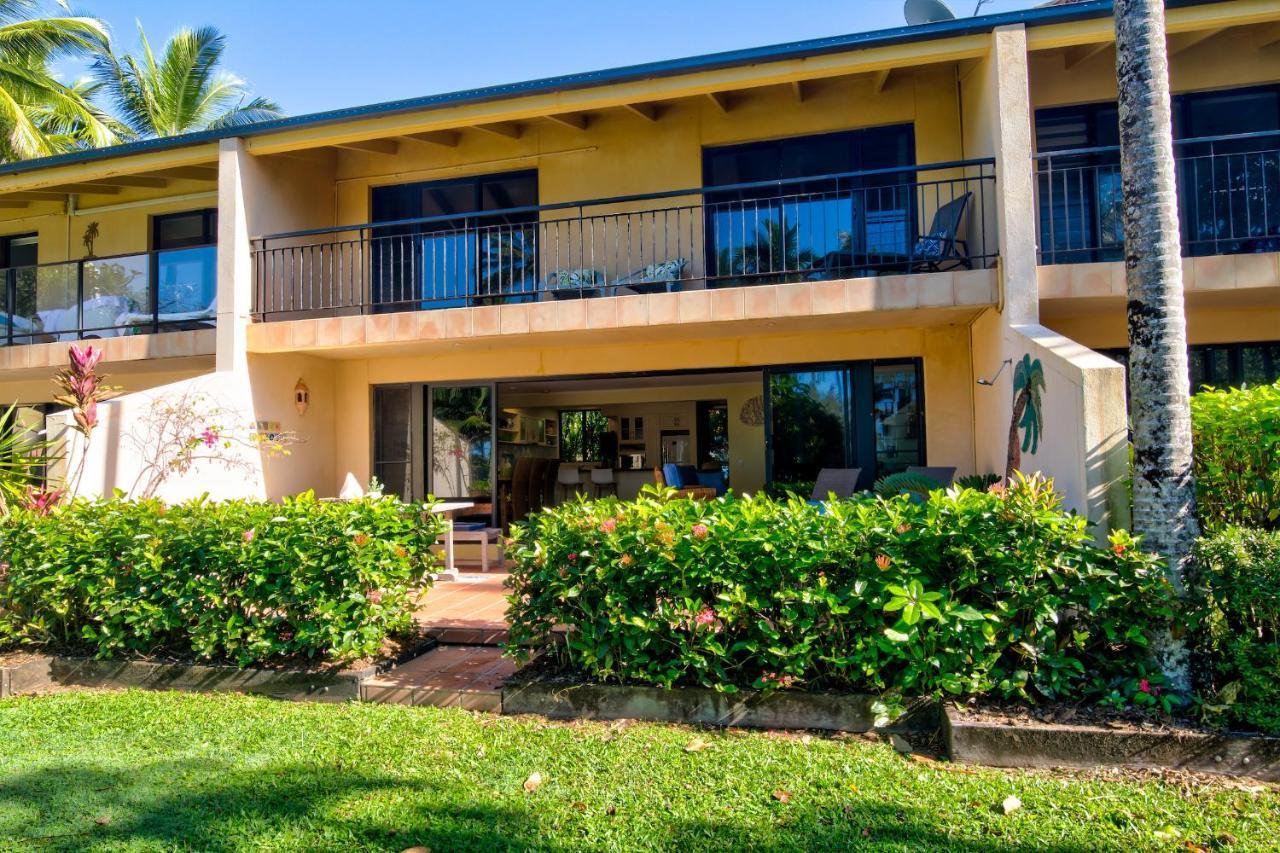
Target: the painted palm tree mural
pixel 1028 414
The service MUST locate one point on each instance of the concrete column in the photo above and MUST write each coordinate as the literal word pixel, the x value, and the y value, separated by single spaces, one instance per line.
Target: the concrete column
pixel 235 263
pixel 1015 183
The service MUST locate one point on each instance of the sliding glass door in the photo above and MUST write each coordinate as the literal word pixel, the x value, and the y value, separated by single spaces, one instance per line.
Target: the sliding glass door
pixel 865 414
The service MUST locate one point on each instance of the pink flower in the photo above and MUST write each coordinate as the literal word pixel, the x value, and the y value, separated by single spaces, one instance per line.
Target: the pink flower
pixel 373 596
pixel 248 535
pixel 997 489
pixel 705 616
pixel 626 559
pixel 1144 686
pixel 778 680
pixel 87 415
pixel 902 528
pixel 882 562
pixel 608 525
pixel 209 437
pixel 700 531
pixel 1118 548
pixel 573 558
pixel 84 360
pixel 361 539
pixel 41 501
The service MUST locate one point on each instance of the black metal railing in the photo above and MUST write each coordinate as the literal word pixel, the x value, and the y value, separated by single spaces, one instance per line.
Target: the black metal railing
pixel 1228 198
pixel 108 297
pixel 916 218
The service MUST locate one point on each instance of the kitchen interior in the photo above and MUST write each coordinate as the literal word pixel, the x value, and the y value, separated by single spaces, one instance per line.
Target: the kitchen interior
pixel 606 436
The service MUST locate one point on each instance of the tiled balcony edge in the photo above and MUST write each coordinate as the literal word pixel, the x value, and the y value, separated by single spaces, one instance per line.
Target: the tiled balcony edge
pixel 1203 274
pixel 184 344
pixel 951 289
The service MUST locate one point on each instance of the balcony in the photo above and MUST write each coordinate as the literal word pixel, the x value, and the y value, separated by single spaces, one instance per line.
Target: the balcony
pixel 918 219
pixel 1228 199
pixel 120 296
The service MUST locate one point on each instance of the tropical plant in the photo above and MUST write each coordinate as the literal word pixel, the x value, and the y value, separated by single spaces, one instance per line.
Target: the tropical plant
pixel 24 454
pixel 998 592
pixel 981 482
pixel 1164 496
pixel 180 91
pixel 39 115
pixel 915 486
pixel 244 581
pixel 1028 416
pixel 1237 456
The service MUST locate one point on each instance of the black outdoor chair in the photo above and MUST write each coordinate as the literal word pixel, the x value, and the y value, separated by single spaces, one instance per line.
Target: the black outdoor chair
pixel 940 247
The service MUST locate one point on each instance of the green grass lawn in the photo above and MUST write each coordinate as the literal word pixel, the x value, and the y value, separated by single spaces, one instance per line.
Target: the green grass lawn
pixel 156 771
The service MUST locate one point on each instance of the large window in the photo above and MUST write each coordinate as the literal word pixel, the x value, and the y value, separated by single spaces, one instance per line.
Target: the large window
pixel 186 268
pixel 1223 365
pixel 865 415
pixel 580 434
pixel 18 257
pixel 1228 190
pixel 468 256
pixel 757 235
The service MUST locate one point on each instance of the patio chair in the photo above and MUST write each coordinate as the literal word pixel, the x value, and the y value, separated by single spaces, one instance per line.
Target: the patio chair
pixel 520 481
pixel 688 481
pixel 549 480
pixel 537 483
pixel 841 482
pixel 939 246
pixel 945 475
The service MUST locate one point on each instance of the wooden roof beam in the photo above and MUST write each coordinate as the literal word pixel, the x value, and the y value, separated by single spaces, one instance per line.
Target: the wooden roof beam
pixel 446 138
pixel 798 89
pixel 879 80
pixel 7 204
pixel 86 189
pixel 190 173
pixel 1082 53
pixel 505 129
pixel 648 112
pixel 1182 42
pixel 35 195
pixel 577 121
pixel 1266 36
pixel 721 100
pixel 371 146
pixel 144 181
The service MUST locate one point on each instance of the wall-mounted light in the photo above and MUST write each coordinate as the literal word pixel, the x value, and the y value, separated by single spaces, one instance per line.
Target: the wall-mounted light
pixel 992 380
pixel 301 397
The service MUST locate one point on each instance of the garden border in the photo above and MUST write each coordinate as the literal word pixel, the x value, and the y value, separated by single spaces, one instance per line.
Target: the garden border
pixel 315 685
pixel 1035 744
pixel 841 712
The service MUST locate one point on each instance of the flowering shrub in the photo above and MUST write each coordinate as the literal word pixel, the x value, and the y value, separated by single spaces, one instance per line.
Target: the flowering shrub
pixel 246 581
pixel 1238 619
pixel 968 592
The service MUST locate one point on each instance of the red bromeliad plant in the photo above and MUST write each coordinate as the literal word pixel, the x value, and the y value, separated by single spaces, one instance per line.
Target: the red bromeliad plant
pixel 82 390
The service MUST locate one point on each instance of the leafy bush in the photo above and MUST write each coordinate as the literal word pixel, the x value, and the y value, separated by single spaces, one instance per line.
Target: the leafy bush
pixel 968 592
pixel 1238 621
pixel 246 581
pixel 1237 456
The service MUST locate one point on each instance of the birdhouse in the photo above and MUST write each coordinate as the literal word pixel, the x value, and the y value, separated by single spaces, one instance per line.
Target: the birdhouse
pixel 301 397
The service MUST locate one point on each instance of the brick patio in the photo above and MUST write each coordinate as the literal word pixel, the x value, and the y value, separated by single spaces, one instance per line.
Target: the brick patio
pixel 471 610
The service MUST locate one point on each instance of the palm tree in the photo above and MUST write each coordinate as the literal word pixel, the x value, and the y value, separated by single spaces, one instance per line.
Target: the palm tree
pixel 1164 510
pixel 40 115
pixel 1028 384
pixel 181 91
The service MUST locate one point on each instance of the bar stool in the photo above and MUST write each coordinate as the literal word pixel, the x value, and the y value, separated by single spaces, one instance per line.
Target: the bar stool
pixel 602 481
pixel 569 479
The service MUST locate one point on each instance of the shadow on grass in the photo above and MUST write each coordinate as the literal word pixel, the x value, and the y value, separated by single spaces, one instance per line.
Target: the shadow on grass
pixel 216 806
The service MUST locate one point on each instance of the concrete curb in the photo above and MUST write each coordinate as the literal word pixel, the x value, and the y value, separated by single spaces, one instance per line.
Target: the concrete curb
pixel 313 685
pixel 1054 745
pixel 780 710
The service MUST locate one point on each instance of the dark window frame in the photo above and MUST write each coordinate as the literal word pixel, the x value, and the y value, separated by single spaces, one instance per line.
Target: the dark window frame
pixel 1234 356
pixel 583 412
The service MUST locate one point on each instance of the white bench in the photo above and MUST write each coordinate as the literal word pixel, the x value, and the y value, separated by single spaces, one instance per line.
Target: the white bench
pixel 485 537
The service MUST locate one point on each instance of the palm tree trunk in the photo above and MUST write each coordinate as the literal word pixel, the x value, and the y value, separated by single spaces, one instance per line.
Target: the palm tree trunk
pixel 1163 483
pixel 1014 459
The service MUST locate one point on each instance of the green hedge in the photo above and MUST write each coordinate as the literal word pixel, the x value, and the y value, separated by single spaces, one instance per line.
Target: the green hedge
pixel 969 592
pixel 1237 457
pixel 1238 616
pixel 244 581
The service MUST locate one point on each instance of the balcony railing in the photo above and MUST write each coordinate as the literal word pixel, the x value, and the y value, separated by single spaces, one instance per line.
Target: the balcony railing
pixel 1228 199
pixel 911 219
pixel 168 290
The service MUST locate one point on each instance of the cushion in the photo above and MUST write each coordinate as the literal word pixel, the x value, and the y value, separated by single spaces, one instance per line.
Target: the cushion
pixel 671 474
pixel 665 271
pixel 574 279
pixel 930 247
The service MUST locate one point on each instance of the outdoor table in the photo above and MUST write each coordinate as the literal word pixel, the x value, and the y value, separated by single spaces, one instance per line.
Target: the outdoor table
pixel 448 509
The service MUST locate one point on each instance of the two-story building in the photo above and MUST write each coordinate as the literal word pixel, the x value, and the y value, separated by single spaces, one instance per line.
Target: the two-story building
pixel 761 263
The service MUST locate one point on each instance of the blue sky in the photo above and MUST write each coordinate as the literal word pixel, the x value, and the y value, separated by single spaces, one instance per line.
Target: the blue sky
pixel 312 55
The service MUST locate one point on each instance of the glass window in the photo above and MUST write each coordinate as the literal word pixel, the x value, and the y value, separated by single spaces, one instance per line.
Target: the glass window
pixel 809 423
pixel 461 441
pixel 895 394
pixel 184 230
pixel 393 439
pixel 758 235
pixel 580 434
pixel 1224 365
pixel 453 262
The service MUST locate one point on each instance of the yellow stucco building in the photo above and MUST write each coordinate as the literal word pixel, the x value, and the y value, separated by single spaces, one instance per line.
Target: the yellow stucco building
pixel 758 264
